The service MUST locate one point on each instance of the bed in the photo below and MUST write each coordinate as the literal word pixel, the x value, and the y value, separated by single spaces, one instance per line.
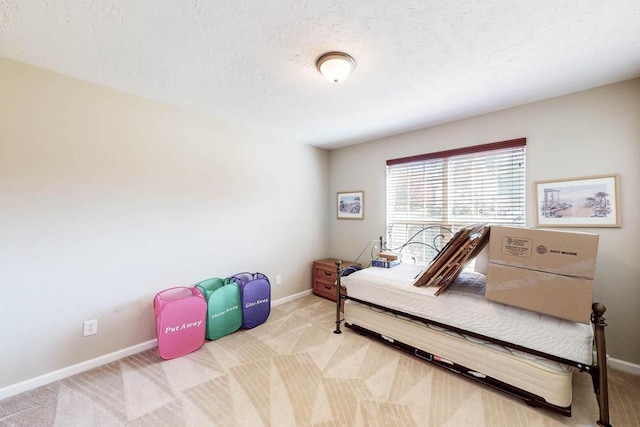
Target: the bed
pixel 525 354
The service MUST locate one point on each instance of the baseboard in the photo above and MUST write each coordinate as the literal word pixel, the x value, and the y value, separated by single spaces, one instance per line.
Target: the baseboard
pixel 624 366
pixel 280 301
pixel 78 368
pixel 60 374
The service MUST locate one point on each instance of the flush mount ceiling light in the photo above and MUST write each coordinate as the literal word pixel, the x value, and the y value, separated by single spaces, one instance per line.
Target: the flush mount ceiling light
pixel 335 66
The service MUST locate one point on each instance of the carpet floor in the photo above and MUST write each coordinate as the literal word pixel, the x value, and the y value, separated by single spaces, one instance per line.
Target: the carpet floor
pixel 293 371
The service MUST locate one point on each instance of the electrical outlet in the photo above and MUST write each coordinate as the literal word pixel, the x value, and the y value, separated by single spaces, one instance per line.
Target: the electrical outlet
pixel 278 279
pixel 90 327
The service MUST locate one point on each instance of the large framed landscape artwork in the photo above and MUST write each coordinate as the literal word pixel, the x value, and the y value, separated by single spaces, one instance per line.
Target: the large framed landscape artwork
pixel 578 202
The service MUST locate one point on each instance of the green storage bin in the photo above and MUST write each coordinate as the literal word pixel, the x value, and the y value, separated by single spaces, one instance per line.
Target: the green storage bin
pixel 224 310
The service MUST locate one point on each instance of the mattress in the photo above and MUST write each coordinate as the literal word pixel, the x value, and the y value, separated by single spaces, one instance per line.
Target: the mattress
pixel 463 306
pixel 549 380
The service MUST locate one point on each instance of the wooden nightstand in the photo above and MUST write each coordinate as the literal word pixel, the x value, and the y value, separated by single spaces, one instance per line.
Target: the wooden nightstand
pixel 324 277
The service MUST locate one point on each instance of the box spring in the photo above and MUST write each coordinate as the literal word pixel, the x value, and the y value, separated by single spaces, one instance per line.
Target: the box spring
pixel 539 382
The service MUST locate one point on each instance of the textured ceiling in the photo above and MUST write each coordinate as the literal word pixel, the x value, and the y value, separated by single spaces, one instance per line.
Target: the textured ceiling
pixel 252 62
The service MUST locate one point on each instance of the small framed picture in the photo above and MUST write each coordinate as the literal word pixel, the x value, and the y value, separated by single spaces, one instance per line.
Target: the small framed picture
pixel 578 202
pixel 350 205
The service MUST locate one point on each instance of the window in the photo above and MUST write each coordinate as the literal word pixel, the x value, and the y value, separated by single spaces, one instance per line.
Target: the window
pixel 453 189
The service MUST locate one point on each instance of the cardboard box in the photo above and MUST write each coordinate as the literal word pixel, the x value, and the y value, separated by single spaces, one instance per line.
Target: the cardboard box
pixel 559 252
pixel 545 271
pixel 560 296
pixel 389 256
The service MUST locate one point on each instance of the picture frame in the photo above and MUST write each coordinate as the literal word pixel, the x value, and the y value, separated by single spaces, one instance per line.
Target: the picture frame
pixel 350 205
pixel 591 201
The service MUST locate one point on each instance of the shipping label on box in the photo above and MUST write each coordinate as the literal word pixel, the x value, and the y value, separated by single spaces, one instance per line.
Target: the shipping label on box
pixel 516 246
pixel 560 296
pixel 559 252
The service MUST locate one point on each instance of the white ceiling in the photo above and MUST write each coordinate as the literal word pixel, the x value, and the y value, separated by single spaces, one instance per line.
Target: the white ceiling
pixel 252 62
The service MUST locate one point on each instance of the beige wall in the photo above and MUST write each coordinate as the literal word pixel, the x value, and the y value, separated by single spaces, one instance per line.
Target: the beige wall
pixel 106 199
pixel 587 133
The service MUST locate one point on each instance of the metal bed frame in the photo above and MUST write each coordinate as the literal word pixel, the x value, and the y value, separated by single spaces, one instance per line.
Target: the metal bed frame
pixel 598 370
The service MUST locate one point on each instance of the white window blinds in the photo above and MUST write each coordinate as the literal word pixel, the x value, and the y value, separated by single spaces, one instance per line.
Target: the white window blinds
pixel 453 189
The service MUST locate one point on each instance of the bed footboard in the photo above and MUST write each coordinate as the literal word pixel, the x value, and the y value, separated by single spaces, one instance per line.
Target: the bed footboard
pixel 599 372
pixel 338 297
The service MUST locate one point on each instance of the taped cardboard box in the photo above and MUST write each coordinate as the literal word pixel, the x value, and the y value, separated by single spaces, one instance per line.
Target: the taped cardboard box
pixel 560 296
pixel 559 252
pixel 545 271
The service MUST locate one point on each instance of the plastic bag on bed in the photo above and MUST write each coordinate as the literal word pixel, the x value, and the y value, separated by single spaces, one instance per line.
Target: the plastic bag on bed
pixel 469 283
pixel 351 269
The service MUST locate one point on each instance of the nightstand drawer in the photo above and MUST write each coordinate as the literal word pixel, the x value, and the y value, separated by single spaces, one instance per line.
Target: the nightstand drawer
pixel 324 277
pixel 322 273
pixel 326 289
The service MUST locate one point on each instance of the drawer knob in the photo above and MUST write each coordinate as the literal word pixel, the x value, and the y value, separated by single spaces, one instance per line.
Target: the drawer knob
pixel 327 286
pixel 327 273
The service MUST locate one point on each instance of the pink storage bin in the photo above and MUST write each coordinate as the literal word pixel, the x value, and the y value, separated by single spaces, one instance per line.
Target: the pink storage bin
pixel 181 317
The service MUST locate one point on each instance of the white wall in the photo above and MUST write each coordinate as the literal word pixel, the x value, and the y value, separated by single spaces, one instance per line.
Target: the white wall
pixel 106 199
pixel 587 133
